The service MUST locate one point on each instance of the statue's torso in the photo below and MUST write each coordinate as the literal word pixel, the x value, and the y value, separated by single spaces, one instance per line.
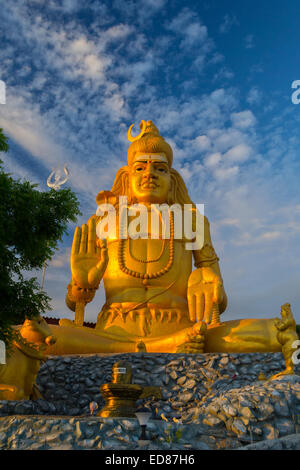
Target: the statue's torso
pixel 121 287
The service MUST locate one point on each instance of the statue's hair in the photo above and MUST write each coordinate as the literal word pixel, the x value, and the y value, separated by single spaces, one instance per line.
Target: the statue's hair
pixel 178 192
pixel 150 143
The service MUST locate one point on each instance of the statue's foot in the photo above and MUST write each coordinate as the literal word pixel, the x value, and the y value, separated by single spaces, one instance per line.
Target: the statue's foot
pixel 66 322
pixel 195 340
pixel 287 371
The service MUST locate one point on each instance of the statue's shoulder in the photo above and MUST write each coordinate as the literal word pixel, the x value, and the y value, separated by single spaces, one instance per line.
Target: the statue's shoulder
pixel 200 218
pixel 106 197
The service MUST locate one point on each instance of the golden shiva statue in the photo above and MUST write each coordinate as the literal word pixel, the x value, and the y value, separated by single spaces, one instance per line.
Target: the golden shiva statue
pixel 155 301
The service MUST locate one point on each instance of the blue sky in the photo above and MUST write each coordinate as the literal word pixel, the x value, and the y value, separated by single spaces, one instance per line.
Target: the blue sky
pixel 214 76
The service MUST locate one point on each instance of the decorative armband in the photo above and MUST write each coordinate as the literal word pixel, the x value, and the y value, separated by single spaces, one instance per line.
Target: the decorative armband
pixel 206 256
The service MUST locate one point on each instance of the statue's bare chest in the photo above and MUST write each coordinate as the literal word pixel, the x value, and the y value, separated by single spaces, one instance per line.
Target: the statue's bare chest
pixel 154 258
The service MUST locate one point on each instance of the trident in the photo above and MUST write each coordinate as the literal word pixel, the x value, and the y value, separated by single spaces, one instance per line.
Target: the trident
pixel 55 184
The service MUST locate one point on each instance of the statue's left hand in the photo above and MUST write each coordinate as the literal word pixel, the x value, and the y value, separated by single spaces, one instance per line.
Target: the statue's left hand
pixel 205 288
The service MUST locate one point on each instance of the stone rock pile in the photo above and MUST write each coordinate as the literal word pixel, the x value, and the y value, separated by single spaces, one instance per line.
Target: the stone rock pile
pixel 216 398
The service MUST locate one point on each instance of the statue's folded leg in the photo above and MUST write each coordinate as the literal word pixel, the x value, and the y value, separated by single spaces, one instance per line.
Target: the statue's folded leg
pixel 236 336
pixel 243 336
pixel 189 340
pixel 83 340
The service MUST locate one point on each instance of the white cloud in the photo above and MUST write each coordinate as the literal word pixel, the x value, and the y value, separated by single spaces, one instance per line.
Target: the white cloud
pixel 226 173
pixel 217 58
pixel 119 32
pixel 188 25
pixel 228 22
pixel 115 105
pixel 254 96
pixel 212 160
pixel 24 123
pixel 81 45
pixel 223 139
pixel 202 142
pixel 243 119
pixel 61 260
pixel 228 222
pixel 194 33
pixel 25 126
pixel 270 236
pixel 239 153
pixel 223 73
pixel 249 41
pixel 156 4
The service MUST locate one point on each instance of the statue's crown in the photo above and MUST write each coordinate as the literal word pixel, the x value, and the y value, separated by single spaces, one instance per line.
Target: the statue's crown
pixel 148 140
pixel 146 128
pixel 151 128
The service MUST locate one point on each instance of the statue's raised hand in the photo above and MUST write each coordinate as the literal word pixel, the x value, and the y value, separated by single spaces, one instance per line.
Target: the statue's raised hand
pixel 205 288
pixel 88 257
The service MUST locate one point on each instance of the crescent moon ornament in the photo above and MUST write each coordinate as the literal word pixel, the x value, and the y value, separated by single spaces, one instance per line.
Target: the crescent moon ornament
pixel 56 173
pixel 142 127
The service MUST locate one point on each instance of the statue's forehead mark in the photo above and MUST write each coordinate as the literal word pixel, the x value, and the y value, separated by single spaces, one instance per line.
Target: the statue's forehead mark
pixel 151 157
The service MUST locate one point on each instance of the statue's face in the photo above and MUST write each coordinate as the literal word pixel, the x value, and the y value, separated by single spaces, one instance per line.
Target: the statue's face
pixel 150 178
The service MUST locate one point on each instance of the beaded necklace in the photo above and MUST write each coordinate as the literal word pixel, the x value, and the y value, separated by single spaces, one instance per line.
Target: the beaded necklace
pixel 155 275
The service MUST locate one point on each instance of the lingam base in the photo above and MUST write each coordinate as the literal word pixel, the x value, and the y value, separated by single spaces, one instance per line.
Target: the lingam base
pixel 120 400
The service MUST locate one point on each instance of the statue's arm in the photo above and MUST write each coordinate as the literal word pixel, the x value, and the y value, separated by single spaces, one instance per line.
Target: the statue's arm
pixel 206 257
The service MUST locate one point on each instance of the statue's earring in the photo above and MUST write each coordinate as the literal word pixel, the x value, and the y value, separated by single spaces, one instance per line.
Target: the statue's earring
pixel 129 192
pixel 127 188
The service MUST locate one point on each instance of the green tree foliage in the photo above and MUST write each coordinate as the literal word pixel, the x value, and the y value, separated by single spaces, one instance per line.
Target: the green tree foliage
pixel 3 142
pixel 32 223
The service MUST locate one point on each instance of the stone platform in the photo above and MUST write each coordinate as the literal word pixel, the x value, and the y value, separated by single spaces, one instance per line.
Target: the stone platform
pixel 215 400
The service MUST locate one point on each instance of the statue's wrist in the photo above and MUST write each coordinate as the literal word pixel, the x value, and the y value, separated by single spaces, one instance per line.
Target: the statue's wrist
pixel 85 289
pixel 76 293
pixel 223 303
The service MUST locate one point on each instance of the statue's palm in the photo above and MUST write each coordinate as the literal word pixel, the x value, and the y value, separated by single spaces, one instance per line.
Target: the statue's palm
pixel 88 260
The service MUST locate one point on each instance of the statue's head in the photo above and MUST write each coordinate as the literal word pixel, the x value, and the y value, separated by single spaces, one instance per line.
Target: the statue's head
pixel 149 176
pixel 149 162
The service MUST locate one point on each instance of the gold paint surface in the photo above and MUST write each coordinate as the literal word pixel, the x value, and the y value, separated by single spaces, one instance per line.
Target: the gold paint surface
pixel 154 297
pixel 18 375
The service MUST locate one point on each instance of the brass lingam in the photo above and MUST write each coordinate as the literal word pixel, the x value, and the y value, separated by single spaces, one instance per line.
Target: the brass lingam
pixel 121 394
